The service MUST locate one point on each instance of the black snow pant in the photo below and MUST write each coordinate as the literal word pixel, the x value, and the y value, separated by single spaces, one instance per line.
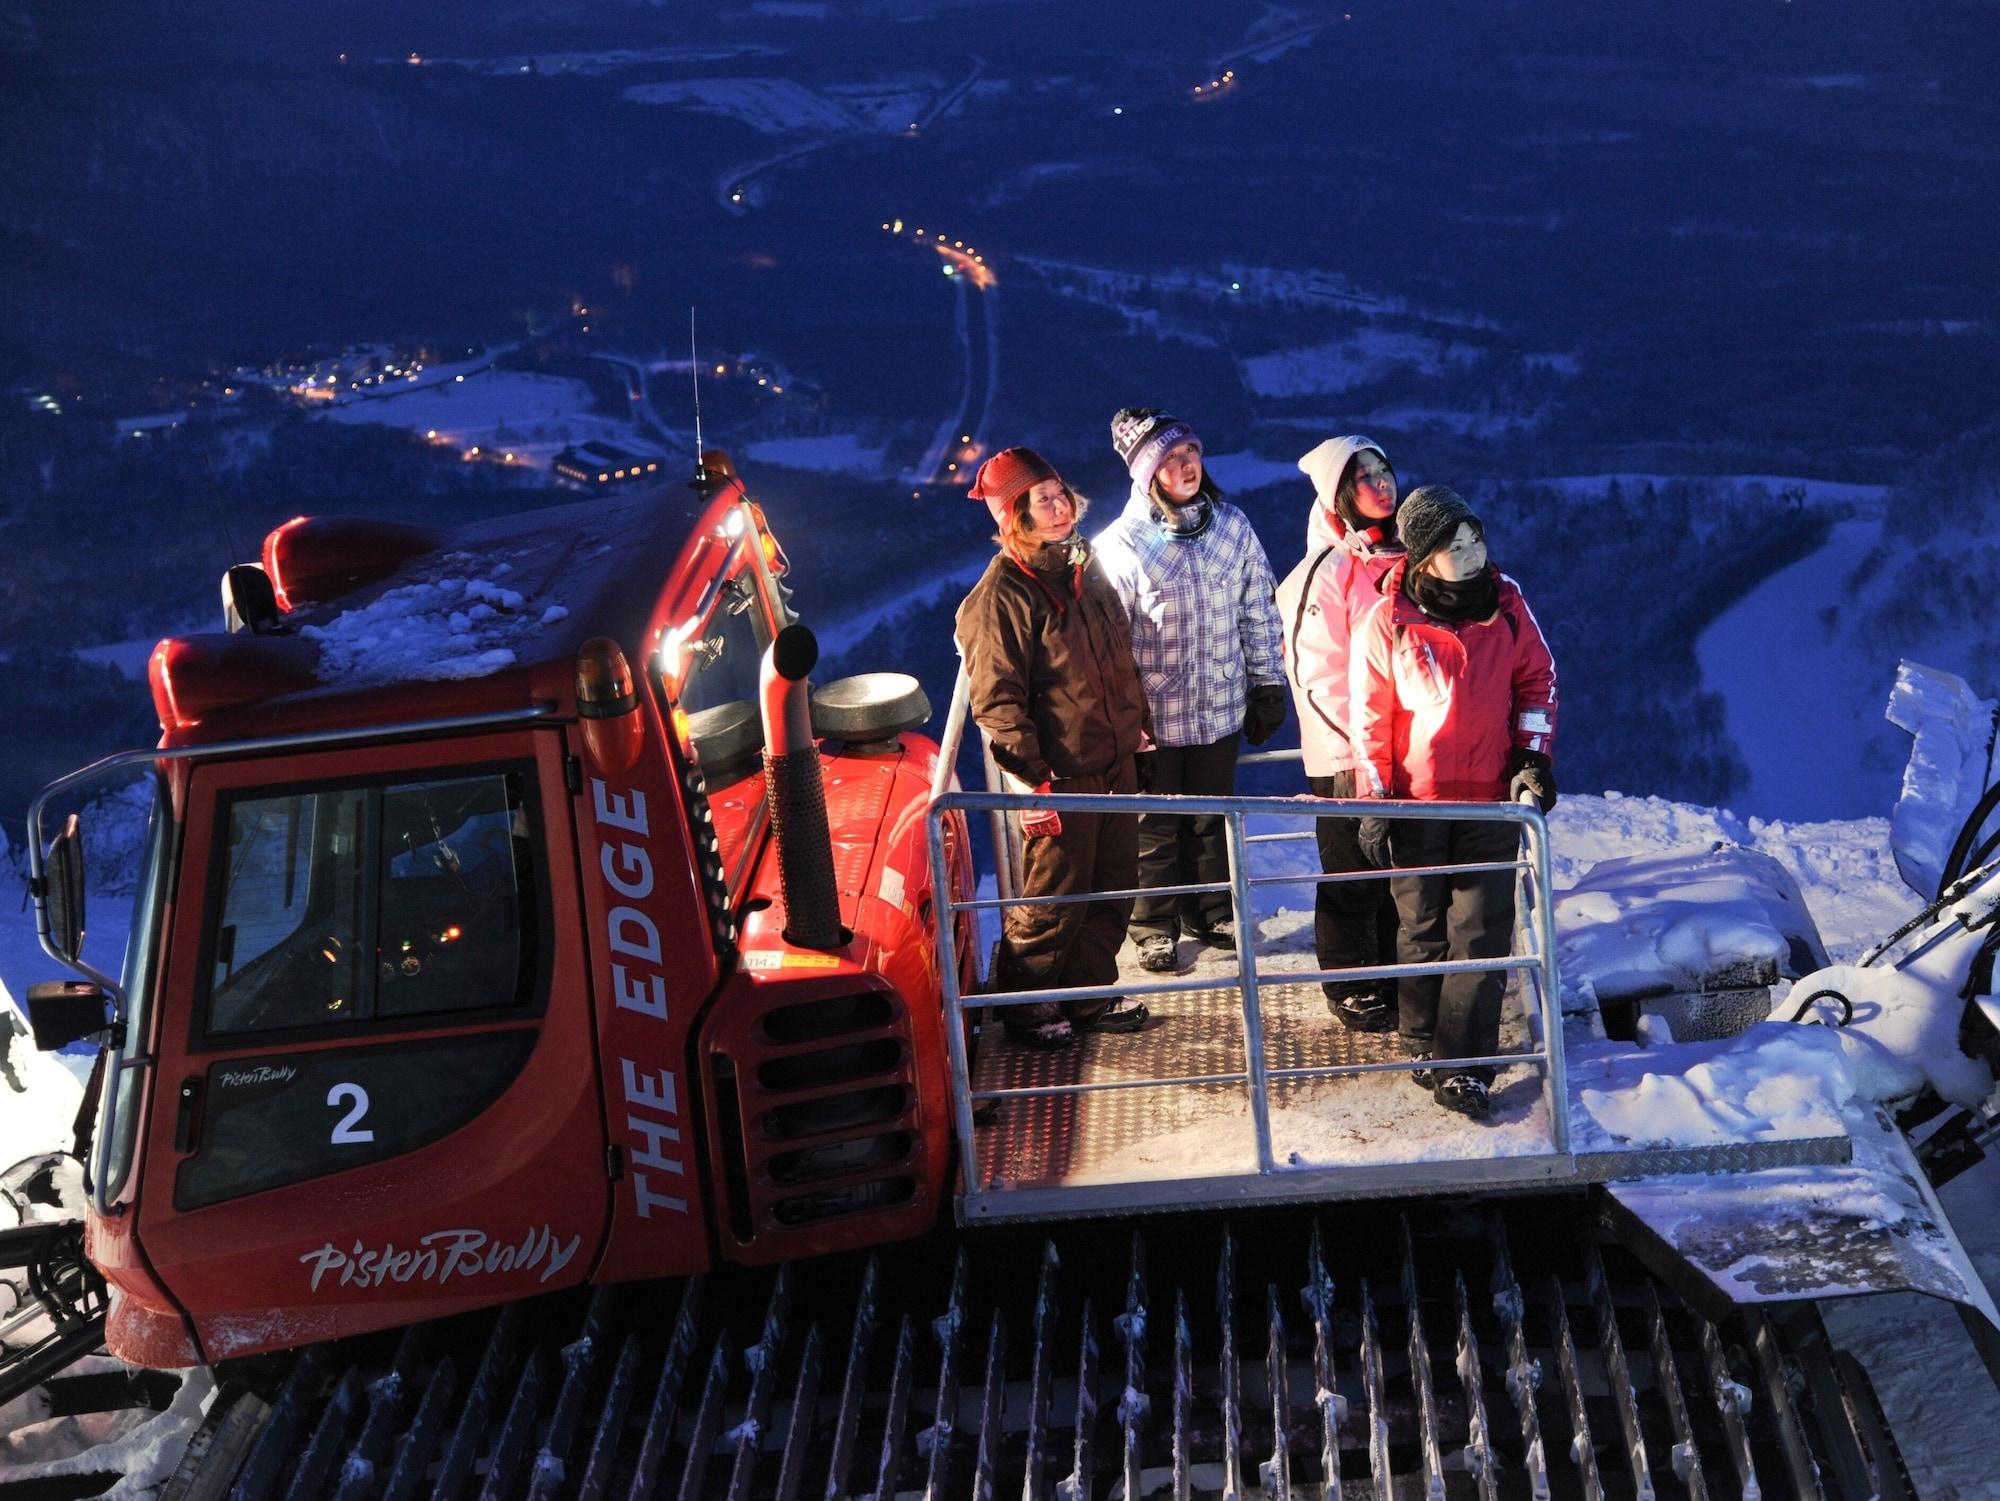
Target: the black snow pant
pixel 1180 849
pixel 1354 922
pixel 1076 943
pixel 1458 915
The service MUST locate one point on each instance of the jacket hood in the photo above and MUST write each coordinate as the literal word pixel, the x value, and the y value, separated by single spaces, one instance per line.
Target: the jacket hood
pixel 1324 466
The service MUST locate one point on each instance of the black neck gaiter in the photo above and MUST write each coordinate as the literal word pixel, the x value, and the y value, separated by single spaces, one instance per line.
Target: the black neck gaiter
pixel 1469 600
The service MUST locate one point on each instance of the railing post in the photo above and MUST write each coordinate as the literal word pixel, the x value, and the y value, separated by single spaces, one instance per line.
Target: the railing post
pixel 945 912
pixel 1006 855
pixel 954 732
pixel 1255 1064
pixel 1545 939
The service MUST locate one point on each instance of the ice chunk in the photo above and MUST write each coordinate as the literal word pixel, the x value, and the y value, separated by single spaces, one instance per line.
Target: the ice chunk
pixel 1951 762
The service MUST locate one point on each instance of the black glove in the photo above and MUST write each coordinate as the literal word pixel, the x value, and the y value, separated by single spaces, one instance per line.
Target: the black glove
pixel 1264 713
pixel 1142 768
pixel 1373 837
pixel 1531 772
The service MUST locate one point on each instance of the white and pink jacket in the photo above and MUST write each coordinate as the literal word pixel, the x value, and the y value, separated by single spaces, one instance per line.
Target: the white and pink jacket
pixel 1321 601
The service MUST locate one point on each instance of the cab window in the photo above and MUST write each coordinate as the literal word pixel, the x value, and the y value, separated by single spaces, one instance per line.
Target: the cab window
pixel 342 906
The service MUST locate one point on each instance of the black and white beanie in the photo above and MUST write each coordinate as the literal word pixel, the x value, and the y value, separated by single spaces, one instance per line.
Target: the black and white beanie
pixel 1143 437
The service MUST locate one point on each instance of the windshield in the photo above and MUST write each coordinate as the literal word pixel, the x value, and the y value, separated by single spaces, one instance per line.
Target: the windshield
pixel 118 1111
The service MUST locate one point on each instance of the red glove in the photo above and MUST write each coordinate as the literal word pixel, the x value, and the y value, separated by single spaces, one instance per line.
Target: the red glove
pixel 1040 823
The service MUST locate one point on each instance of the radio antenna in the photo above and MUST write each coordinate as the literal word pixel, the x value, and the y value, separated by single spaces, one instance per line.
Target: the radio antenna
pixel 694 369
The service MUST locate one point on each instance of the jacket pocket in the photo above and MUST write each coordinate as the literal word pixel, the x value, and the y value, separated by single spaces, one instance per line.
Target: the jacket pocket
pixel 1420 677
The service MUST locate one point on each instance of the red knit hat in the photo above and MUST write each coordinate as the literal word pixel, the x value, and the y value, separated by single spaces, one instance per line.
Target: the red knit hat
pixel 1005 475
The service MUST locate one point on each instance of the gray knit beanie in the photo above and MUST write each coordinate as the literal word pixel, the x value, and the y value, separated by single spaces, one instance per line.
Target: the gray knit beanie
pixel 1429 518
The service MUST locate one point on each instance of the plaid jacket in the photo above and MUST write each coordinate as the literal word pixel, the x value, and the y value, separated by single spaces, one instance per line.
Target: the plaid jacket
pixel 1205 625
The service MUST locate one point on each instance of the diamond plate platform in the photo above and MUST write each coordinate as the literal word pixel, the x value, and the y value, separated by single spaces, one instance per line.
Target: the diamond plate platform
pixel 1142 1146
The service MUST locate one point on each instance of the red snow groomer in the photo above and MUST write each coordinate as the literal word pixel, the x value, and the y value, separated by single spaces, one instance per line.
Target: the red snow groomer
pixel 547 1058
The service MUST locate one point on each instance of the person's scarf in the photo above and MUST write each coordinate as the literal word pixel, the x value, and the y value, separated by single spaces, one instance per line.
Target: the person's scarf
pixel 1460 603
pixel 1072 554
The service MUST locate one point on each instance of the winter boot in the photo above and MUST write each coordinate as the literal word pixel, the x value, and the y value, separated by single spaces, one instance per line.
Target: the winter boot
pixel 1363 1010
pixel 1465 1093
pixel 1118 1019
pixel 1220 934
pixel 1156 953
pixel 1423 1078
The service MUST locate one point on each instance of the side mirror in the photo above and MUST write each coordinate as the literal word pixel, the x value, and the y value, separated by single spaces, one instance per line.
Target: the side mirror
pixel 65 889
pixel 65 1011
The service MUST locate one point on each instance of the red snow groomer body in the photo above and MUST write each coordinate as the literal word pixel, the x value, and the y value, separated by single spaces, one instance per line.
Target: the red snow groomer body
pixel 510 918
pixel 455 1026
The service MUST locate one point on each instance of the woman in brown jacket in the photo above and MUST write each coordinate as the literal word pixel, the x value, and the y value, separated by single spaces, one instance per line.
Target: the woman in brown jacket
pixel 1047 644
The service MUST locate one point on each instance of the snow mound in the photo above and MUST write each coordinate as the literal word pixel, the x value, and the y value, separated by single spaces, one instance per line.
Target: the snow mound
pixel 1904 1033
pixel 1775 1082
pixel 38 1096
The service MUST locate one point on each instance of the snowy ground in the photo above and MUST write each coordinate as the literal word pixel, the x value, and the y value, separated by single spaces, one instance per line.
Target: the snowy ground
pixel 497 412
pixel 1800 706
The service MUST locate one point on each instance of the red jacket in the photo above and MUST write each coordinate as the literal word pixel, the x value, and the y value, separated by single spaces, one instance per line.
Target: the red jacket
pixel 1436 708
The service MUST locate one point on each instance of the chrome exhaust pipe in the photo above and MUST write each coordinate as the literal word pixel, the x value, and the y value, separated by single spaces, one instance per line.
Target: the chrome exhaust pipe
pixel 795 793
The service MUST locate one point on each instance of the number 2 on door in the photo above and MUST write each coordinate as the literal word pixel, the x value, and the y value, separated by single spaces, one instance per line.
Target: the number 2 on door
pixel 347 1130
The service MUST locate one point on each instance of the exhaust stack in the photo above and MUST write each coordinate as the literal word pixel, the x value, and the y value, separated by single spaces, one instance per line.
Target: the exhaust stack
pixel 796 794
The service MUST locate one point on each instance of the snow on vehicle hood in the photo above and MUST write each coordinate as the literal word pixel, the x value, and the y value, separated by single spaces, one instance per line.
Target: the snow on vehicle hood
pixel 1646 925
pixel 454 626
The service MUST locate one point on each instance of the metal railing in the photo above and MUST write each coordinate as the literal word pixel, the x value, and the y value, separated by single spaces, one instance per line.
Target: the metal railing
pixel 1533 955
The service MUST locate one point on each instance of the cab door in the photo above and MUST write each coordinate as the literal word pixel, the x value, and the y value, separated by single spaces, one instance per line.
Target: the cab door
pixel 375 1099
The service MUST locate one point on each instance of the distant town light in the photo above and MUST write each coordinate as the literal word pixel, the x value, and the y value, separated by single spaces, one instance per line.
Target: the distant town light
pixel 510 458
pixel 896 228
pixel 947 270
pixel 431 434
pixel 416 59
pixel 1117 109
pixel 458 377
pixel 718 370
